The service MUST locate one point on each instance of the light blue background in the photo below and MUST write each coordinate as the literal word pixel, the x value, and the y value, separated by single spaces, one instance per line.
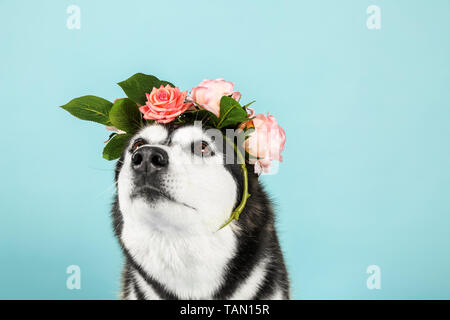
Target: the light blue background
pixel 366 176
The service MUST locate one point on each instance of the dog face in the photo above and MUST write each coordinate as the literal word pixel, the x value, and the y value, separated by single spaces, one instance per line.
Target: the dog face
pixel 176 180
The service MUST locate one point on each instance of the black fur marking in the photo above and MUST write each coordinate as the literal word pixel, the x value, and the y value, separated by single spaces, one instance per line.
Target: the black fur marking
pixel 139 294
pixel 127 278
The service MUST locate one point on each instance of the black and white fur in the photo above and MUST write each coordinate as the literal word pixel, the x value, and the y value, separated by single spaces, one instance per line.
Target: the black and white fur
pixel 168 228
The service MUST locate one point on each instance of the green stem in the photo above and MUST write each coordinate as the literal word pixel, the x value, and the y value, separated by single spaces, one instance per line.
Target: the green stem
pixel 245 195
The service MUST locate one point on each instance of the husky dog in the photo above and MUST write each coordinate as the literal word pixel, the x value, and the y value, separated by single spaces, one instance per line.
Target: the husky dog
pixel 167 216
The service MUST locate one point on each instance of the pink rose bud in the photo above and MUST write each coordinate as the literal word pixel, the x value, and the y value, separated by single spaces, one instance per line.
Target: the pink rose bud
pixel 164 104
pixel 111 128
pixel 265 142
pixel 209 92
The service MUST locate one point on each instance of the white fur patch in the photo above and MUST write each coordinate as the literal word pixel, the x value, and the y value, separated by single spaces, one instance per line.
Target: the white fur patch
pixel 251 285
pixel 154 134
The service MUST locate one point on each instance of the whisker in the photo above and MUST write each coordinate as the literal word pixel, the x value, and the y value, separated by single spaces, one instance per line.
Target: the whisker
pixel 107 190
pixel 101 169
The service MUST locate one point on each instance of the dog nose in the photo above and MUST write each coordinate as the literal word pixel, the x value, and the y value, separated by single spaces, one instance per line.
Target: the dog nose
pixel 149 159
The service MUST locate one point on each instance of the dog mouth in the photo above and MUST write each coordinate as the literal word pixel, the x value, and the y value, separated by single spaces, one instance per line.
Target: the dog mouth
pixel 153 194
pixel 150 192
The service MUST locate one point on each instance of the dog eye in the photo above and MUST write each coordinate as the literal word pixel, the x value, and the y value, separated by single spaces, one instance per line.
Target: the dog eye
pixel 138 143
pixel 202 149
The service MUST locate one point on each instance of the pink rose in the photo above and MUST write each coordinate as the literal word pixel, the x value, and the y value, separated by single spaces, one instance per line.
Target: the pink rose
pixel 164 104
pixel 209 92
pixel 265 142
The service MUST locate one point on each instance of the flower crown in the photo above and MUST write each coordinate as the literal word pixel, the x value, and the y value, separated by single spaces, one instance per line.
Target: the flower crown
pixel 213 102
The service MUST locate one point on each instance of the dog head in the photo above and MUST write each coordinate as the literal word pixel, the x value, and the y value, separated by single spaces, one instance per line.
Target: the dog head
pixel 177 178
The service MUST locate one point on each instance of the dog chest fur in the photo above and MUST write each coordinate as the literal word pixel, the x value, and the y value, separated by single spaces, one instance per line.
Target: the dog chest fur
pixel 192 267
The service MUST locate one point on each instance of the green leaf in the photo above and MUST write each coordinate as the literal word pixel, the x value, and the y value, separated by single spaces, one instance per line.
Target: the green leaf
pixel 115 146
pixel 125 115
pixel 139 84
pixel 90 108
pixel 231 113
